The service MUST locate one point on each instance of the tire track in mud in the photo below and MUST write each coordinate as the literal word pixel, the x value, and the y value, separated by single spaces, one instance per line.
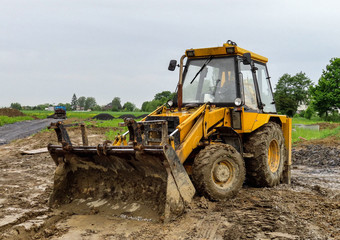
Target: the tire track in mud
pixel 38 225
pixel 307 209
pixel 4 225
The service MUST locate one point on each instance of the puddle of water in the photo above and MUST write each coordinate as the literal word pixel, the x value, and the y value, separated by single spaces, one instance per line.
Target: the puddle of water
pixel 10 219
pixel 328 178
pixel 97 203
pixel 31 223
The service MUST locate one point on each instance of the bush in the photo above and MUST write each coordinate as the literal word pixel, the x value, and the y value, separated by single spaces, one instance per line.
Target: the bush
pixel 16 106
pixel 333 117
pixel 309 113
pixel 302 113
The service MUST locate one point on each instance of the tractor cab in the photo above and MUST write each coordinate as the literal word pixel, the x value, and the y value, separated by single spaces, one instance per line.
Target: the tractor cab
pixel 226 76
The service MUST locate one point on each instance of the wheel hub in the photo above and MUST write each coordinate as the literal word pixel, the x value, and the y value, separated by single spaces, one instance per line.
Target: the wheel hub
pixel 221 173
pixel 273 156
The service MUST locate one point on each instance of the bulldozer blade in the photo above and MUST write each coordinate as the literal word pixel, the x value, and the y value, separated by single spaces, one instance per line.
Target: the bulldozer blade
pixel 120 181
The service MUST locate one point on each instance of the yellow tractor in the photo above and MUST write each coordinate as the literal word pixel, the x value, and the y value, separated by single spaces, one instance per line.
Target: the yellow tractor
pixel 221 130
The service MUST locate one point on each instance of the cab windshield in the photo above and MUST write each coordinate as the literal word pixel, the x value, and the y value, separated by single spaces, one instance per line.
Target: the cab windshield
pixel 209 80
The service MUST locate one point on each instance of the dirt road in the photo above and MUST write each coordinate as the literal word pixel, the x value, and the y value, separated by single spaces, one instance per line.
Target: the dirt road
pixel 23 129
pixel 309 208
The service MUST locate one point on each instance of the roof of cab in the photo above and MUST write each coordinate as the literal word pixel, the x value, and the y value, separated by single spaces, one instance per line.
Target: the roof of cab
pixel 221 51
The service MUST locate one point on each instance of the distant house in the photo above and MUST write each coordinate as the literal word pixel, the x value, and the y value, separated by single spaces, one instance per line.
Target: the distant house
pixel 301 107
pixel 80 108
pixel 50 108
pixel 107 107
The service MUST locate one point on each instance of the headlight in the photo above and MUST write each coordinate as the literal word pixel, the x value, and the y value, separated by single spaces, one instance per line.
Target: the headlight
pixel 230 50
pixel 170 103
pixel 238 102
pixel 190 53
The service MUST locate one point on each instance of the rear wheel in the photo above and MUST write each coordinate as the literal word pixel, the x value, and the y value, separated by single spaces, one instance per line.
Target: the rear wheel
pixel 218 172
pixel 266 144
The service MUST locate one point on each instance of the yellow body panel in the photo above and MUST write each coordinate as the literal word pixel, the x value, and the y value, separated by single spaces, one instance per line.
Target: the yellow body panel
pixel 191 141
pixel 287 133
pixel 196 124
pixel 213 116
pixel 252 121
pixel 187 124
pixel 248 120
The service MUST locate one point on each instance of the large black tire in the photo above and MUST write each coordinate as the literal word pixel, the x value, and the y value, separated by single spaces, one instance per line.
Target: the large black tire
pixel 267 146
pixel 218 172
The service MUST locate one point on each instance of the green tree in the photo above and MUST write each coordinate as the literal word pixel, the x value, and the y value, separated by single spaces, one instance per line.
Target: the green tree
pixel 144 106
pixel 286 104
pixel 90 103
pixel 165 95
pixel 97 108
pixel 74 102
pixel 27 107
pixel 292 91
pixel 16 106
pixel 41 106
pixel 68 106
pixel 81 101
pixel 153 105
pixel 116 105
pixel 159 99
pixel 309 112
pixel 129 107
pixel 326 94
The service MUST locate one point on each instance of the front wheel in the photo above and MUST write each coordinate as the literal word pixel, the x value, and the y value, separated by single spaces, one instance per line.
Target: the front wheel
pixel 218 172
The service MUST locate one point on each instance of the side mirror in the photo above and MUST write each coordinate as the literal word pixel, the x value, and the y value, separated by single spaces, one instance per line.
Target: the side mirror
pixel 172 65
pixel 246 59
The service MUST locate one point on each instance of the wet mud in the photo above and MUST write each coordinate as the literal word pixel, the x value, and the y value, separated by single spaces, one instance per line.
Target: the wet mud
pixel 309 208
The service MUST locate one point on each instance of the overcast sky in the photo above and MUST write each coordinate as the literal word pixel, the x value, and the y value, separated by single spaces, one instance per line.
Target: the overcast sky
pixel 107 48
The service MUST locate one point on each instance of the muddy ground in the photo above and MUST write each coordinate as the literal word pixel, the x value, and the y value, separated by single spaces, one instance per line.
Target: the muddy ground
pixel 309 208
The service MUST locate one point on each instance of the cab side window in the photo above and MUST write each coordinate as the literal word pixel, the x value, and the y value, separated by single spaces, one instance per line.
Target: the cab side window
pixel 248 87
pixel 264 88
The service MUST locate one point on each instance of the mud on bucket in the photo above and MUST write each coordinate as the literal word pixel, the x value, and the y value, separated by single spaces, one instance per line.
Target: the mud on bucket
pixel 148 184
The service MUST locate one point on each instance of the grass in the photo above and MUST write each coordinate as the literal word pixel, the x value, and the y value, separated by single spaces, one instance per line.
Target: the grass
pixel 114 124
pixel 82 115
pixel 38 114
pixel 313 134
pixel 8 120
pixel 110 134
pixel 301 120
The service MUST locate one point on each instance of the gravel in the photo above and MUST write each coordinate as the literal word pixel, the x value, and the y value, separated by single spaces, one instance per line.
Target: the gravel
pixel 317 155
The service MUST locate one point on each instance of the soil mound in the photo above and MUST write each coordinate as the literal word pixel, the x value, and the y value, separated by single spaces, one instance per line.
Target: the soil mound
pixel 127 116
pixel 103 116
pixel 316 155
pixel 325 125
pixel 11 112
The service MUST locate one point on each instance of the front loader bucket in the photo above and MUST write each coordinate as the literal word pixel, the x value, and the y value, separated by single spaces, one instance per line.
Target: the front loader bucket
pixel 150 183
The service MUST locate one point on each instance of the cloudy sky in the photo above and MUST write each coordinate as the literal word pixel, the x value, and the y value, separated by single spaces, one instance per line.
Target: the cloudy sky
pixel 107 48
